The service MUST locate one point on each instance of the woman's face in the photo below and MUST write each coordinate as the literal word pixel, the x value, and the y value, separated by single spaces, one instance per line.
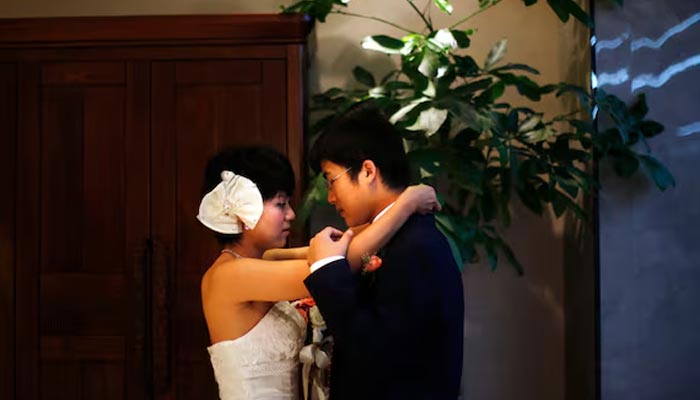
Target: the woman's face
pixel 273 228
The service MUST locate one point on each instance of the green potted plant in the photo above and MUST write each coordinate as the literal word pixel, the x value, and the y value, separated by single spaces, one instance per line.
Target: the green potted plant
pixel 462 137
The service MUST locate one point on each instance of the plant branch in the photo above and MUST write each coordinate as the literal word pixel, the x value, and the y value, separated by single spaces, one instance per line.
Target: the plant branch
pixel 567 116
pixel 422 16
pixel 349 14
pixel 427 4
pixel 472 15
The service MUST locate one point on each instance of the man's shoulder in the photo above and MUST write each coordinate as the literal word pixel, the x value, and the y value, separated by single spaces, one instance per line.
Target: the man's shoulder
pixel 420 242
pixel 418 223
pixel 419 229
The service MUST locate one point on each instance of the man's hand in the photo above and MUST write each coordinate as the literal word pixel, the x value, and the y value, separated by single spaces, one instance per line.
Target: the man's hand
pixel 327 243
pixel 420 198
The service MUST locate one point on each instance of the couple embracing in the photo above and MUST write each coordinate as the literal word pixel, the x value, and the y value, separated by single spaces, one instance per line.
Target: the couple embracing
pixel 397 331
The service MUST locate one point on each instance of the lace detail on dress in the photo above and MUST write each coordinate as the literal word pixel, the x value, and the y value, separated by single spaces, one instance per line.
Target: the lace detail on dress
pixel 263 363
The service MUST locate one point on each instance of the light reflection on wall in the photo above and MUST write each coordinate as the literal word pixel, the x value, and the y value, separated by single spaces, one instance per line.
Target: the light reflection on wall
pixel 649 268
pixel 649 79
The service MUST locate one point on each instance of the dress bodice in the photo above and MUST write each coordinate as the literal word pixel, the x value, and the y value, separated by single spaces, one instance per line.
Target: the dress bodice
pixel 263 363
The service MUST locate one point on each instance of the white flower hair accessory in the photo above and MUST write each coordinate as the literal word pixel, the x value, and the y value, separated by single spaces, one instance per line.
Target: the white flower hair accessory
pixel 234 204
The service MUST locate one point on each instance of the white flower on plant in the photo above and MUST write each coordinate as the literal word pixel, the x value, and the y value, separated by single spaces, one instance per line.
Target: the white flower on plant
pixel 377 91
pixel 539 135
pixel 429 63
pixel 406 109
pixel 445 39
pixel 429 121
pixel 530 123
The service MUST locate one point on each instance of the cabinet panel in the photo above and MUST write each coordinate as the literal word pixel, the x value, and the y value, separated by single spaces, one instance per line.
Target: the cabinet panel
pixel 85 282
pixel 8 134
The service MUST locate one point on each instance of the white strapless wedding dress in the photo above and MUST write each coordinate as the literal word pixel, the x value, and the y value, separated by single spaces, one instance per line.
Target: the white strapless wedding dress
pixel 263 363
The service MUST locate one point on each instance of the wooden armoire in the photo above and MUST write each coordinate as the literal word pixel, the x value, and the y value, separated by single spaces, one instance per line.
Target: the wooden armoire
pixel 105 127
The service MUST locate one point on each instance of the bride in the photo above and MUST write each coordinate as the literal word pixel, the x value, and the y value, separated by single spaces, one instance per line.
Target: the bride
pixel 255 333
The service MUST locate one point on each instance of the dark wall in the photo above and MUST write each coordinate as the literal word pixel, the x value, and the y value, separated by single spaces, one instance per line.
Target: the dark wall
pixel 649 242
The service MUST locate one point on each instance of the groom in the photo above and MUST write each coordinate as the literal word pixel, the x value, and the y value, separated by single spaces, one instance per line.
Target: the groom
pixel 397 330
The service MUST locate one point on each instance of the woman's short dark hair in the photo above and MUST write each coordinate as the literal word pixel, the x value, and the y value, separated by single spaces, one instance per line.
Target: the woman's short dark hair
pixel 267 168
pixel 364 133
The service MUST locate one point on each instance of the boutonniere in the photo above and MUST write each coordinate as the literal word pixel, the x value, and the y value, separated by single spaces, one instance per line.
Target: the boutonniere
pixel 370 263
pixel 303 306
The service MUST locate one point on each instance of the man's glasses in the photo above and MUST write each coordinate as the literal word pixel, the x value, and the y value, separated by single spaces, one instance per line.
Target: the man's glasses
pixel 329 182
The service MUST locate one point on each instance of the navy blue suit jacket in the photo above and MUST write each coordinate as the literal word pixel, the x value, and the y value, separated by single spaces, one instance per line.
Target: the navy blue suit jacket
pixel 398 331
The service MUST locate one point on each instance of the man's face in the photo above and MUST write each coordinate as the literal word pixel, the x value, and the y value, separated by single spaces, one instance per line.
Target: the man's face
pixel 350 198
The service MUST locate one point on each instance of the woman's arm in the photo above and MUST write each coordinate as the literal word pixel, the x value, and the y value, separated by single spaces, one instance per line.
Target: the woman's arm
pixel 251 279
pixel 293 253
pixel 369 238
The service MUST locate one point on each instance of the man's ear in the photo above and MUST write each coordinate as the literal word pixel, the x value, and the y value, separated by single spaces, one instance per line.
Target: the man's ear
pixel 368 172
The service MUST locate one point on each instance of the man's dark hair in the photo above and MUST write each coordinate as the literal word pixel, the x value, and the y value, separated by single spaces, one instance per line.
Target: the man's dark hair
pixel 266 167
pixel 363 133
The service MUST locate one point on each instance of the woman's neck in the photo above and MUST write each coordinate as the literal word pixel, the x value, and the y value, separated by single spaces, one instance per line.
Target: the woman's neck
pixel 246 249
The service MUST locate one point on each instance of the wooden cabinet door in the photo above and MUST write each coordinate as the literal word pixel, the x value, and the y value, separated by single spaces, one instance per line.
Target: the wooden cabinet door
pixel 199 107
pixel 82 229
pixel 8 161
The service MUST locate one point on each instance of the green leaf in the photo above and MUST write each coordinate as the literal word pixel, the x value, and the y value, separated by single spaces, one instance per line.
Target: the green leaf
pixel 382 43
pixel 429 159
pixel 318 9
pixel 659 173
pixel 526 86
pixel 462 38
pixel 315 195
pixel 397 85
pixel 363 76
pixel 530 123
pixel 530 198
pixel 517 67
pixel 570 186
pixel 639 109
pixel 650 128
pixel 444 6
pixel 624 162
pixel 473 86
pixel 496 54
pixel 539 135
pixel 559 203
pixel 491 94
pixel 333 92
pixel 558 7
pixel 476 119
pixel 429 63
pixel 465 66
pixel 445 225
pixel 487 205
pixel 420 82
pixel 444 83
pixel 578 13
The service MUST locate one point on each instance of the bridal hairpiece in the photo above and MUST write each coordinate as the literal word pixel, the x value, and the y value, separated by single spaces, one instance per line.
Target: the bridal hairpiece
pixel 234 204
